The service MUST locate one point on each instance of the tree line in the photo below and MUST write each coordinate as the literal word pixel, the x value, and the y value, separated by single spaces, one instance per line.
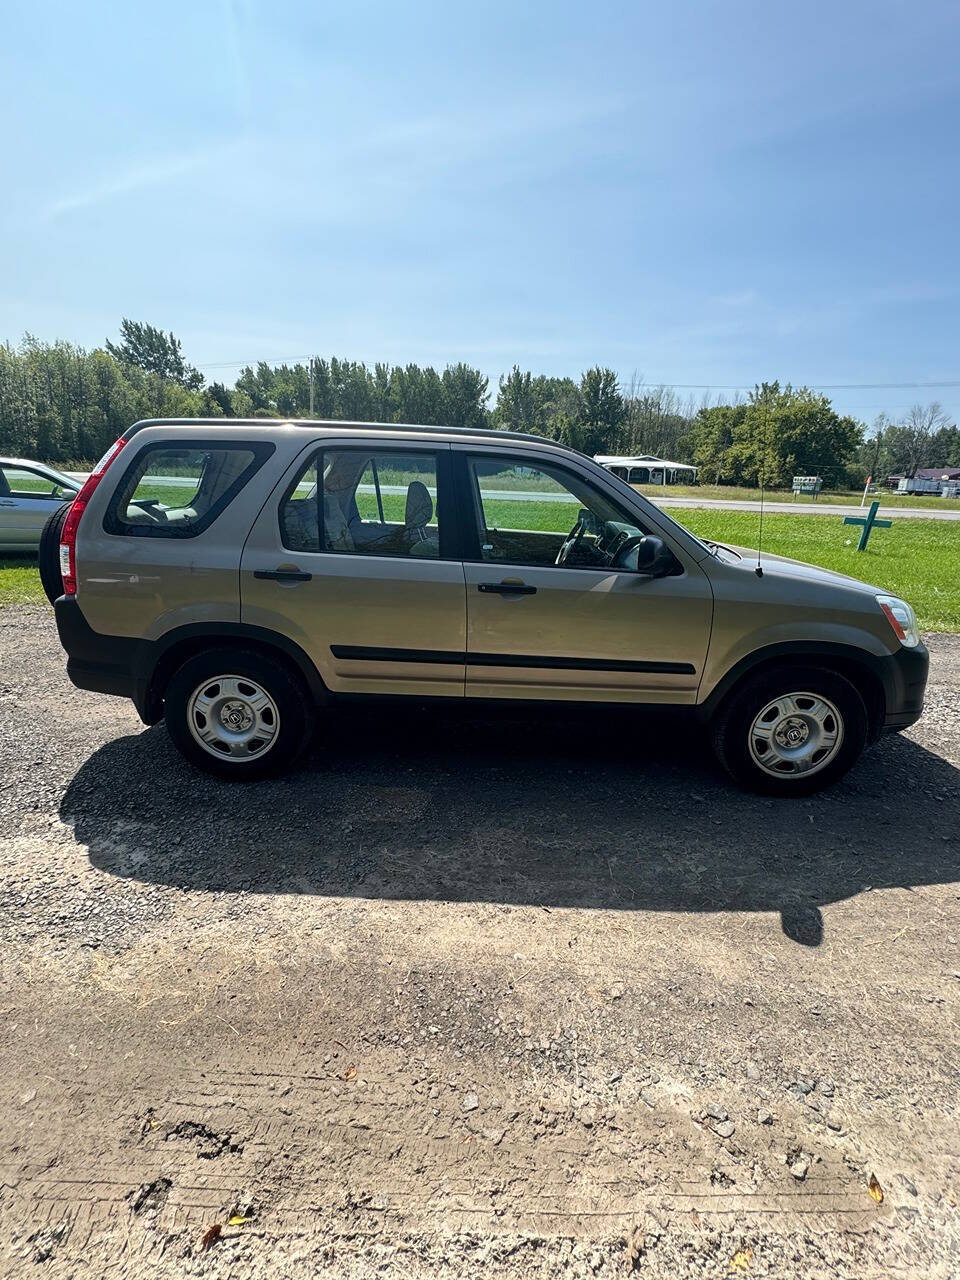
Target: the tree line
pixel 59 403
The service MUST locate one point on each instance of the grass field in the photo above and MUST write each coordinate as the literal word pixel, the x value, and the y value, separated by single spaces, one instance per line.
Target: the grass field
pixel 19 580
pixel 736 493
pixel 917 559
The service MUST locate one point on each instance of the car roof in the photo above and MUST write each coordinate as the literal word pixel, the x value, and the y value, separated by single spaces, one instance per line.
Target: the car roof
pixel 481 434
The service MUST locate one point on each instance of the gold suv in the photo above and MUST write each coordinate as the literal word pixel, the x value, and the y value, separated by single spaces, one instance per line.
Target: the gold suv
pixel 233 577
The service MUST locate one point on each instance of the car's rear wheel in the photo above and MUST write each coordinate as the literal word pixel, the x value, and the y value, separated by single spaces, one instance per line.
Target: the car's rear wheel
pixel 48 553
pixel 791 730
pixel 237 713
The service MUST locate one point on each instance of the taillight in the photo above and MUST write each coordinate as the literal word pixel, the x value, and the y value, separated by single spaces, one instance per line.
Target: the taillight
pixel 68 534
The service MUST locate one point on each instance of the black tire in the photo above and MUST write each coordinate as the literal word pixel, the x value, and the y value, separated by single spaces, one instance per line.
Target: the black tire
pixel 290 697
pixel 733 724
pixel 48 553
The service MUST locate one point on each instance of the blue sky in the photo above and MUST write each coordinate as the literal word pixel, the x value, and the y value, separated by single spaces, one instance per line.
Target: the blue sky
pixel 709 193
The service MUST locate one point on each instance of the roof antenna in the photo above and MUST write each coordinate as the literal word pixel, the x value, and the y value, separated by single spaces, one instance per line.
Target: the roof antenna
pixel 759 569
pixel 763 481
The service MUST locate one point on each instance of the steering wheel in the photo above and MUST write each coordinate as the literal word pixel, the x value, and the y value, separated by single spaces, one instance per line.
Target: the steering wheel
pixel 627 543
pixel 571 542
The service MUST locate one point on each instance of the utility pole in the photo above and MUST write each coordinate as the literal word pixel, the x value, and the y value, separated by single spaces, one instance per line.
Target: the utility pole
pixel 876 453
pixel 878 441
pixel 311 386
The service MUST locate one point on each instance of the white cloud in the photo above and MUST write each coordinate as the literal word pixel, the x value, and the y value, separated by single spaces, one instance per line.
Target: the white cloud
pixel 151 173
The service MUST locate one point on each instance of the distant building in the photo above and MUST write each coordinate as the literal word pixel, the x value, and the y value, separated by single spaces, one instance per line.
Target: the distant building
pixel 932 480
pixel 647 469
pixel 950 474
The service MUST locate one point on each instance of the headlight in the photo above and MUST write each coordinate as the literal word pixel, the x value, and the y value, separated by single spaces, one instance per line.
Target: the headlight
pixel 902 618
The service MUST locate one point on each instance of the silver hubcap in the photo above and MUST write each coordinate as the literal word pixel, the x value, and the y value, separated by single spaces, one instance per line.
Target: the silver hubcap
pixel 233 718
pixel 798 733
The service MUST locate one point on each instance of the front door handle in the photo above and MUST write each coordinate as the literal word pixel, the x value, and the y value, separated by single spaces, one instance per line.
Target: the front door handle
pixel 7 502
pixel 507 588
pixel 282 575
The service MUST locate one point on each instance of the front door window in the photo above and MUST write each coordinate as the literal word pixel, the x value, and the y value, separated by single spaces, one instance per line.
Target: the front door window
pixel 545 515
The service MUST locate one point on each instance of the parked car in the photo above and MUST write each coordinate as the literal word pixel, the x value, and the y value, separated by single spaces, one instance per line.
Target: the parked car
pixel 234 577
pixel 29 493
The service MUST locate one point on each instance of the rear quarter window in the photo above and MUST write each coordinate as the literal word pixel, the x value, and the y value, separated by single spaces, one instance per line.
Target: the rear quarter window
pixel 173 491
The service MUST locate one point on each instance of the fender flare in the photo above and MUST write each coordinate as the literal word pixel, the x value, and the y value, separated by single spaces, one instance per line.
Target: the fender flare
pixel 847 659
pixel 157 659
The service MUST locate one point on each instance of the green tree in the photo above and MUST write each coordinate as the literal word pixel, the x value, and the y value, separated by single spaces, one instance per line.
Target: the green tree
pixel 154 351
pixel 217 397
pixel 418 394
pixel 601 411
pixel 944 450
pixel 465 390
pixel 916 441
pixel 657 423
pixel 713 436
pixel 521 400
pixel 787 432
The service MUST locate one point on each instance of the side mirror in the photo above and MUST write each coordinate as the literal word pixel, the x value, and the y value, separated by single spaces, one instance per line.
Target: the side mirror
pixel 650 557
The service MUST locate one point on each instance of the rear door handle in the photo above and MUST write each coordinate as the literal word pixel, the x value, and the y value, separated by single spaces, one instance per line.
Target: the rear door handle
pixel 282 575
pixel 507 588
pixel 8 502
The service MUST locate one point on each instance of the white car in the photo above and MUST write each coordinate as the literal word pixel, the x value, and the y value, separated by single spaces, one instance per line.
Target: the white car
pixel 30 492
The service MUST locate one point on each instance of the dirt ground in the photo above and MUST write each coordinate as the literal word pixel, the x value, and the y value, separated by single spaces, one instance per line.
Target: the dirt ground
pixel 501 997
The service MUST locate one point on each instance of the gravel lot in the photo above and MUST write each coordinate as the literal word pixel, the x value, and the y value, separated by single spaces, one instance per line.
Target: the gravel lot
pixel 492 996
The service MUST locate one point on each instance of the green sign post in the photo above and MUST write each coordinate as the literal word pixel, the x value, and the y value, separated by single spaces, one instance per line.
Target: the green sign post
pixel 869 521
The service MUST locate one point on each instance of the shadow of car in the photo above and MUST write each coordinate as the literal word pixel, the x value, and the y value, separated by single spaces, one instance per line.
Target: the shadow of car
pixel 621 812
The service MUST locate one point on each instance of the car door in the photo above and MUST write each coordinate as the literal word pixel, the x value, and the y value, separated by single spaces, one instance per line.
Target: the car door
pixel 28 497
pixel 583 629
pixel 353 559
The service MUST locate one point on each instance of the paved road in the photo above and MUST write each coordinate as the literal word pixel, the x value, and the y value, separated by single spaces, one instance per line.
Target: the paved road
pixel 810 508
pixel 470 997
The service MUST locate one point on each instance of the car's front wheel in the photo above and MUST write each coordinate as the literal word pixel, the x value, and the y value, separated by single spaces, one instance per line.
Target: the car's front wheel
pixel 237 713
pixel 790 731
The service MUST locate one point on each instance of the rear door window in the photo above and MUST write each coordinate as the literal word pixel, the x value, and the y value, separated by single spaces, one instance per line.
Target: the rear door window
pixel 177 492
pixel 365 503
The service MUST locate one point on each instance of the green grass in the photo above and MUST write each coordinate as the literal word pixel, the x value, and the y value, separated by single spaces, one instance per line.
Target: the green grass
pixel 19 580
pixel 552 517
pixel 30 486
pixel 737 493
pixel 168 495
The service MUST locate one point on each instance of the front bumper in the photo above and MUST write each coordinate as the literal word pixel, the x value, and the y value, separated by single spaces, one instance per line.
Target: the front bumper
pixel 904 676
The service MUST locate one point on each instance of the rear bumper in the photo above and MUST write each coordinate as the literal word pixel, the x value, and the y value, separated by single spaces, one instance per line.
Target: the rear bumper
pixel 904 677
pixel 103 664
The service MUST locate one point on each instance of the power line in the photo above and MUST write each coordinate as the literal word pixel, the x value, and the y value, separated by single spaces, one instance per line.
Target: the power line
pixel 240 364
